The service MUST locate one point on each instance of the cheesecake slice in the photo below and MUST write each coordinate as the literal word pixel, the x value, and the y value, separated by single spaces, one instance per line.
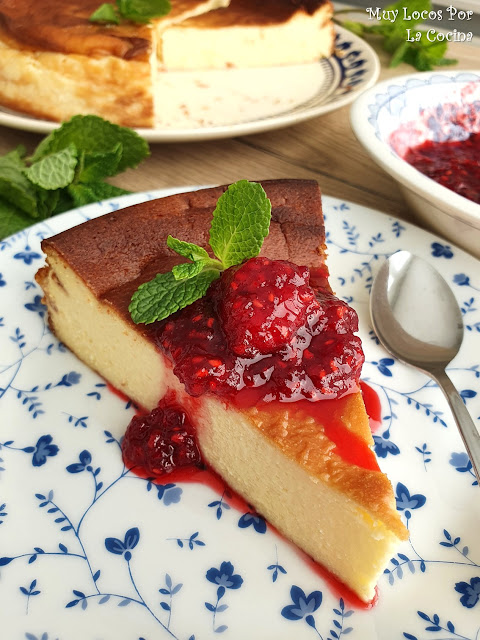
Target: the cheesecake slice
pixel 55 63
pixel 307 467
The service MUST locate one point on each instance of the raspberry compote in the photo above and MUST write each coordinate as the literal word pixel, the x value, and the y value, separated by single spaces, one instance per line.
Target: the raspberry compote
pixel 161 441
pixel 263 333
pixel 455 164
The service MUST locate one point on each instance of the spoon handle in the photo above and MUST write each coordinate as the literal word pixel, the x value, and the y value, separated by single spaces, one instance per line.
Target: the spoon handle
pixel 465 424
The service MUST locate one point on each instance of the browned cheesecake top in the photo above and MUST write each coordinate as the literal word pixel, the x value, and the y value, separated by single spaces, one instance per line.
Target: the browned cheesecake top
pixel 259 13
pixel 117 252
pixel 64 26
pixel 49 25
pixel 129 245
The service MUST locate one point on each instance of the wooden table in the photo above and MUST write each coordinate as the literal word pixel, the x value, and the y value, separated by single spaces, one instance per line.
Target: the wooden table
pixel 324 149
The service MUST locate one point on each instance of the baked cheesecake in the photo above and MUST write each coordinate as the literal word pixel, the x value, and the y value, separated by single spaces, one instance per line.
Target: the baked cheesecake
pixel 56 63
pixel 249 33
pixel 300 453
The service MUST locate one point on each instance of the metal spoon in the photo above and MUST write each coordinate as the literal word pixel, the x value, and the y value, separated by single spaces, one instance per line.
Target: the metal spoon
pixel 417 319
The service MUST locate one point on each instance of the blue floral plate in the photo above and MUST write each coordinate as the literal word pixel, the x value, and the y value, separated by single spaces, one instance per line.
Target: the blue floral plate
pixel 89 551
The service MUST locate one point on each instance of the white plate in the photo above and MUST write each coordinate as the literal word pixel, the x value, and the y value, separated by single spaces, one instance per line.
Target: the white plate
pixel 64 493
pixel 223 104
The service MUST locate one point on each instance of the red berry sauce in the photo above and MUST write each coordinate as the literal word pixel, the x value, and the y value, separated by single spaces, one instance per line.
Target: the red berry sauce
pixel 161 441
pixel 263 333
pixel 455 164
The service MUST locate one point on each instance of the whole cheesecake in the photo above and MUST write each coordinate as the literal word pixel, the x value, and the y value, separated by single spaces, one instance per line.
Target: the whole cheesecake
pixel 55 63
pixel 307 467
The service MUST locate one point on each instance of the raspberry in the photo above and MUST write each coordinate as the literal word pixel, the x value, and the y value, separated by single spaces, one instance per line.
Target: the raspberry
pixel 160 442
pixel 264 303
pixel 262 333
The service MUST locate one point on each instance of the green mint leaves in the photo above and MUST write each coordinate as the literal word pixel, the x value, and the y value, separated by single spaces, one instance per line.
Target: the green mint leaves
pixel 237 230
pixel 162 296
pixel 54 171
pixel 106 14
pixel 401 39
pixel 141 11
pixel 240 224
pixel 66 170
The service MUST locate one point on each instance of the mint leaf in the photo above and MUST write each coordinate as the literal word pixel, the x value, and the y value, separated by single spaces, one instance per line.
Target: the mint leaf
pixel 87 193
pixel 92 134
pixel 14 158
pixel 162 296
pixel 47 202
pixel 12 219
pixel 14 186
pixel 188 269
pixel 143 10
pixel 419 53
pixel 240 222
pixel 54 171
pixel 64 201
pixel 66 170
pixel 399 54
pixel 93 166
pixel 105 13
pixel 186 249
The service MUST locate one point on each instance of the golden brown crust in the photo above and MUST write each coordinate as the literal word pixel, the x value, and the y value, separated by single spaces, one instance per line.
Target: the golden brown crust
pixel 255 13
pixel 112 251
pixel 57 86
pixel 49 25
pixel 307 444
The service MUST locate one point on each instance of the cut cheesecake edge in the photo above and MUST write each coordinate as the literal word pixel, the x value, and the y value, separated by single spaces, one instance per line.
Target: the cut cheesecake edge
pixel 248 34
pixel 340 514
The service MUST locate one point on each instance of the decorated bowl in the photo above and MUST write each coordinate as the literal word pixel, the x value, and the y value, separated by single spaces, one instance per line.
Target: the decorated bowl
pixel 404 112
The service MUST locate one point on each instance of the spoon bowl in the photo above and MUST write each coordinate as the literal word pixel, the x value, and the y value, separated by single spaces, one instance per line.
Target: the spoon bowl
pixel 417 319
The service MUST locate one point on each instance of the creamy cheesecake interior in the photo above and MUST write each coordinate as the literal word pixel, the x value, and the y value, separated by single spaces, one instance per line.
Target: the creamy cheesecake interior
pixel 250 34
pixel 279 460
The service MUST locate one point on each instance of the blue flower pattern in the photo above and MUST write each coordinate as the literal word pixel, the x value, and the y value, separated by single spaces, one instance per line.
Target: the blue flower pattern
pixel 43 449
pixel 95 475
pixel 253 520
pixel 37 306
pixel 28 256
pixel 226 578
pixel 303 606
pixel 441 250
pixel 470 592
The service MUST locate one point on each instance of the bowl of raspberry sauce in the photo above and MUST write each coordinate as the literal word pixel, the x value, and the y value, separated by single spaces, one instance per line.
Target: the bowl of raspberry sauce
pixel 424 130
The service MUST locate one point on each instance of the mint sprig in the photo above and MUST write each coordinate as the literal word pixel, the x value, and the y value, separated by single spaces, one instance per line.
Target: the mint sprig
pixel 240 224
pixel 140 11
pixel 421 54
pixel 66 170
pixel 237 231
